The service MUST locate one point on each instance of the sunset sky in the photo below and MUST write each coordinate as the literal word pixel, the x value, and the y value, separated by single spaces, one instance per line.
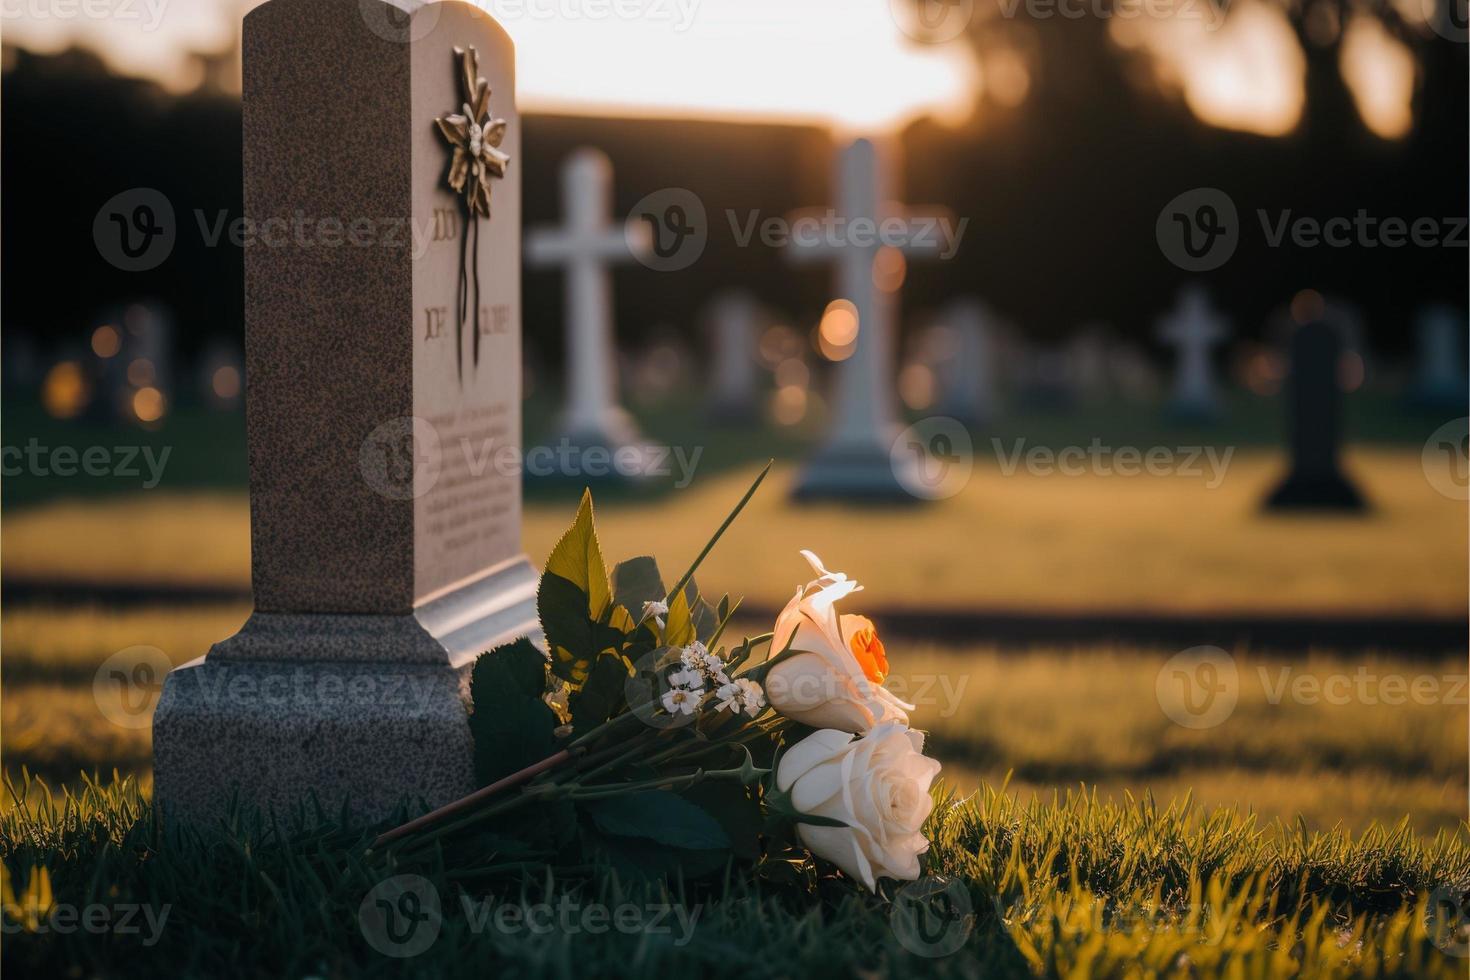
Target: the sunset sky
pixel 843 63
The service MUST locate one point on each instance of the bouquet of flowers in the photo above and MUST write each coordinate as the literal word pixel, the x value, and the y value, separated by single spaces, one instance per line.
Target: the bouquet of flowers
pixel 639 737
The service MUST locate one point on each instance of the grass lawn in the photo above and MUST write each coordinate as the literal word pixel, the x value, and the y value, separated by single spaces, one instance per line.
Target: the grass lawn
pixel 1049 717
pixel 1068 889
pixel 1018 542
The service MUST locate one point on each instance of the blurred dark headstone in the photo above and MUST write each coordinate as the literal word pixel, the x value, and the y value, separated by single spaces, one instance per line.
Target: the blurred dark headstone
pixel 1316 480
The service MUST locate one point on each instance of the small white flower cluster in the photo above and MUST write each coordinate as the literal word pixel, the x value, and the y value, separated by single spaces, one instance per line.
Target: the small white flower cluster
pixel 697 668
pixel 740 695
pixel 702 666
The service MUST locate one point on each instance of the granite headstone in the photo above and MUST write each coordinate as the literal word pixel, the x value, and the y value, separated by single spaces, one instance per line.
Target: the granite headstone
pixel 383 387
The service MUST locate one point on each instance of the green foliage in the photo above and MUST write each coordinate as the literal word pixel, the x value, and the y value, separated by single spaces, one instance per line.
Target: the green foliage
pixel 635 582
pixel 577 558
pixel 1070 887
pixel 601 695
pixel 512 725
pixel 659 816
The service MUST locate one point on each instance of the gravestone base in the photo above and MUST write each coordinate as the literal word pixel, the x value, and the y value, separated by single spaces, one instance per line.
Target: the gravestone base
pixel 856 474
pixel 366 709
pixel 370 735
pixel 1318 493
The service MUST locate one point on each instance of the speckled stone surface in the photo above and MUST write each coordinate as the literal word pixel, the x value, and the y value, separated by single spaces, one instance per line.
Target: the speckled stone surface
pixel 276 732
pixel 349 678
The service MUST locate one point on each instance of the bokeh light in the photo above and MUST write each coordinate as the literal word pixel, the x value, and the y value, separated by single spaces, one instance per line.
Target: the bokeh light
pixel 889 270
pixel 65 392
pixel 141 372
pixel 916 386
pixel 836 334
pixel 148 405
pixel 1307 306
pixel 106 341
pixel 1379 71
pixel 788 405
pixel 225 382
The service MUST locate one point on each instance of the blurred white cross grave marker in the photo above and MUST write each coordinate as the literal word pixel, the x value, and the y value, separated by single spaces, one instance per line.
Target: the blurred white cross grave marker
pixel 385 549
pixel 1193 328
pixel 586 247
pixel 868 238
pixel 735 320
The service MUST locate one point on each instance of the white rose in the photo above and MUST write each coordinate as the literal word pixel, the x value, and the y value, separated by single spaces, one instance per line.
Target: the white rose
pixel 836 680
pixel 878 785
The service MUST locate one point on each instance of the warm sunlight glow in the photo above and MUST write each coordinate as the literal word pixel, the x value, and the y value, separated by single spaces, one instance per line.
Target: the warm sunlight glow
pixel 842 63
pixel 838 63
pixel 1379 71
pixel 1247 74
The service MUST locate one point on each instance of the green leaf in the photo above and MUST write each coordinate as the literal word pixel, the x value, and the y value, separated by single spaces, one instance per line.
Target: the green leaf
pixel 660 816
pixel 511 725
pixel 519 663
pixel 734 809
pixel 577 558
pixel 706 620
pixel 575 640
pixel 679 631
pixel 635 582
pixel 601 695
